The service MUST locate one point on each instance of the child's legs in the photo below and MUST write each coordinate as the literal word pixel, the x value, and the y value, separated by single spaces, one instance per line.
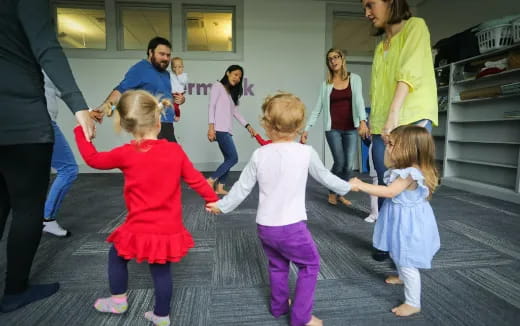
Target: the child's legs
pixel 117 272
pixel 278 278
pixel 162 282
pixel 308 264
pixel 295 243
pixel 412 285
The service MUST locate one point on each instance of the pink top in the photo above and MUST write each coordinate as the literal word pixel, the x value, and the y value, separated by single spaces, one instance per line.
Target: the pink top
pixel 222 109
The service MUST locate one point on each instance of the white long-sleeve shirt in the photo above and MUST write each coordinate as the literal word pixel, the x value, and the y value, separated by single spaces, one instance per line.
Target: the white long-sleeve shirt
pixel 178 82
pixel 281 170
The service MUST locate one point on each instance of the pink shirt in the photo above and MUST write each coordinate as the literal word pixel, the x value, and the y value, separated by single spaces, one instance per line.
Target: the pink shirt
pixel 221 109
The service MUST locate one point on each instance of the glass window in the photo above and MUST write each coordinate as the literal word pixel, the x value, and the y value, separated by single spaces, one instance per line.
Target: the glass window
pixel 209 29
pixel 81 27
pixel 352 34
pixel 139 24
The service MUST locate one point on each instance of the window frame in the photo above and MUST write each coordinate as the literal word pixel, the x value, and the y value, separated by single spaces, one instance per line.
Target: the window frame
pixel 85 4
pixel 112 29
pixel 205 9
pixel 121 5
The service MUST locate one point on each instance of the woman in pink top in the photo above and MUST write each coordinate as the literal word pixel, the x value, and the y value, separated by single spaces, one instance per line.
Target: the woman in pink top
pixel 223 106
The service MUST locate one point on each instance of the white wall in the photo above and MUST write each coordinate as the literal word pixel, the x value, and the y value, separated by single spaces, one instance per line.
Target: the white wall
pixel 284 44
pixel 445 18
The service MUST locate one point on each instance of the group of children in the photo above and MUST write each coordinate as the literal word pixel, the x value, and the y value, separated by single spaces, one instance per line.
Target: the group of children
pixel 154 231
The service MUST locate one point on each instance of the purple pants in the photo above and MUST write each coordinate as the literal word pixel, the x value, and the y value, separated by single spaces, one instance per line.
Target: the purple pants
pixel 282 245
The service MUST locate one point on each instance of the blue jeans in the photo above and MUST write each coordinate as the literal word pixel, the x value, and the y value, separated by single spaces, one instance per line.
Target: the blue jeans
pixel 378 154
pixel 343 145
pixel 66 172
pixel 228 149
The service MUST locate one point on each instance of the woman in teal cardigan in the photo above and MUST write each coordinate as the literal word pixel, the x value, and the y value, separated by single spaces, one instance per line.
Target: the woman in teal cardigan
pixel 341 102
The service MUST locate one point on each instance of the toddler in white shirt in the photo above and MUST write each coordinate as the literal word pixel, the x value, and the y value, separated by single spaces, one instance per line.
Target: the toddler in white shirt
pixel 281 169
pixel 179 81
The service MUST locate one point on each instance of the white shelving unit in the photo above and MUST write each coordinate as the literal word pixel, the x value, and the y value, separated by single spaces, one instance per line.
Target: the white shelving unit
pixel 439 132
pixel 482 142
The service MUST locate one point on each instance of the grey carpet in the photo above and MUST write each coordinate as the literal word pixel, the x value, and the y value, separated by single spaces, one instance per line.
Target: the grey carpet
pixel 223 280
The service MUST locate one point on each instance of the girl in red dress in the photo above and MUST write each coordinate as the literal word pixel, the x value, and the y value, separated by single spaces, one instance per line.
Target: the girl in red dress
pixel 153 230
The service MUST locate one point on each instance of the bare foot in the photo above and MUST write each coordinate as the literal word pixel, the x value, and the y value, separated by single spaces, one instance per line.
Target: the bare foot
pixel 393 279
pixel 405 310
pixel 314 321
pixel 344 201
pixel 333 199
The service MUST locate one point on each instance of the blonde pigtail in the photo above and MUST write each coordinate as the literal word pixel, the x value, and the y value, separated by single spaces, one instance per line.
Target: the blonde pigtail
pixel 116 121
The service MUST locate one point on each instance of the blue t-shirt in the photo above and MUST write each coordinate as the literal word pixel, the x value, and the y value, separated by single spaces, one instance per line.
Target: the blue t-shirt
pixel 143 75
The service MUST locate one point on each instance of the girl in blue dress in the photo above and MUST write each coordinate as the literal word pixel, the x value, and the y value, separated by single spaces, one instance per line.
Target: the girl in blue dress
pixel 407 228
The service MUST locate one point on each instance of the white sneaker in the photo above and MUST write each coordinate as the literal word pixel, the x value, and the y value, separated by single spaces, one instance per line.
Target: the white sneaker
pixel 371 218
pixel 52 227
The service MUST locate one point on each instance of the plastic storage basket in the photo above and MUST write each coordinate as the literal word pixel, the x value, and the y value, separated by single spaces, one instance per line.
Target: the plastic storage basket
pixel 516 30
pixel 495 37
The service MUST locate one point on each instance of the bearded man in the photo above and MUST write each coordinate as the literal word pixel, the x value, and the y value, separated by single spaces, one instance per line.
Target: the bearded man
pixel 150 75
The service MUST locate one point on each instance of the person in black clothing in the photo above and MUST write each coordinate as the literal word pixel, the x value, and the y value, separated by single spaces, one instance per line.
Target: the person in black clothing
pixel 28 44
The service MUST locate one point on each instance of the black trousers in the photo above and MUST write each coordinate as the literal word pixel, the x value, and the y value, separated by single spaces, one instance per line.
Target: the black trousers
pixel 24 179
pixel 167 132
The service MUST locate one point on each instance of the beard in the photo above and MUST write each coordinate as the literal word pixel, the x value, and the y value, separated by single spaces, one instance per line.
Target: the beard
pixel 159 65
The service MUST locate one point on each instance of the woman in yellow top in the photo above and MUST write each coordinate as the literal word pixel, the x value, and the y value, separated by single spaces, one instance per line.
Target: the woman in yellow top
pixel 403 89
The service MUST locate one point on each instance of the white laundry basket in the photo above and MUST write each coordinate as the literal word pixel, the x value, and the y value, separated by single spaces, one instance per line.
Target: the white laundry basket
pixel 516 30
pixel 495 37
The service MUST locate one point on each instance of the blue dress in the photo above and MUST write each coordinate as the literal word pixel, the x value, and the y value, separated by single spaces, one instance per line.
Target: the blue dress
pixel 406 225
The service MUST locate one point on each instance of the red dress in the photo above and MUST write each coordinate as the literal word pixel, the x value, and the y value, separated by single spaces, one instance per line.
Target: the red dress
pixel 153 230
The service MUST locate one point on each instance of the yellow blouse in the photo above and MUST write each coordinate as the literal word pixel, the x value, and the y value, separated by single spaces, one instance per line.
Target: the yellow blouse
pixel 408 59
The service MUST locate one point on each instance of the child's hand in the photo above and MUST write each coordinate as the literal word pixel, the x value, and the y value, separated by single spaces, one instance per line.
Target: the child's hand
pixel 212 208
pixel 354 184
pixel 176 118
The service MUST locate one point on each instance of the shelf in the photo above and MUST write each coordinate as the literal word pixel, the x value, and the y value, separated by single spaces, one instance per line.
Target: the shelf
pixel 488 54
pixel 484 142
pixel 443 67
pixel 482 188
pixel 484 99
pixel 500 165
pixel 486 120
pixel 443 88
pixel 486 78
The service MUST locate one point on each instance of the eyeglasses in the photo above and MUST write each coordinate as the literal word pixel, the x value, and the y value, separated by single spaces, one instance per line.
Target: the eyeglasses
pixel 333 58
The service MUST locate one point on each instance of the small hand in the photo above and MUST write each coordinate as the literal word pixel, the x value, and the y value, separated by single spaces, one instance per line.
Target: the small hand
pixel 176 118
pixel 354 184
pixel 304 137
pixel 96 115
pixel 213 208
pixel 87 124
pixel 251 131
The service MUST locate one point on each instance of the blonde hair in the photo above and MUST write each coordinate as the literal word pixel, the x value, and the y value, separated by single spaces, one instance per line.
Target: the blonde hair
pixel 330 73
pixel 414 146
pixel 137 112
pixel 177 59
pixel 283 114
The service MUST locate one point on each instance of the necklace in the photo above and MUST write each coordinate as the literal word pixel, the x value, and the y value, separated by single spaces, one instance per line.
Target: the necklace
pixel 386 43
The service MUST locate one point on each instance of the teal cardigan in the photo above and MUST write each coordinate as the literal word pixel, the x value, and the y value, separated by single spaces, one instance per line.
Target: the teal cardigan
pixel 323 104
